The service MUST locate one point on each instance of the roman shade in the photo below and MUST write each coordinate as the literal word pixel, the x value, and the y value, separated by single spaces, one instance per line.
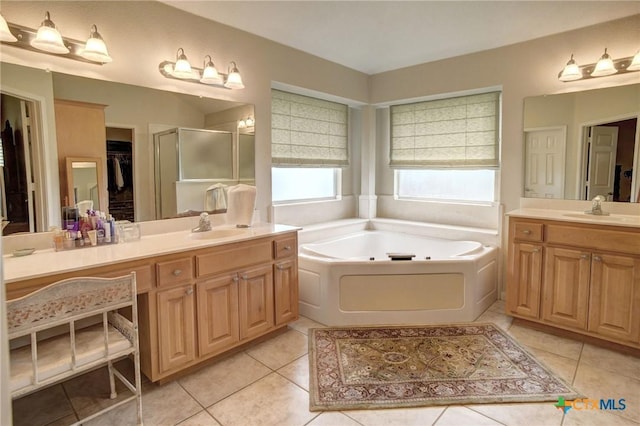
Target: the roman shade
pixel 307 131
pixel 460 132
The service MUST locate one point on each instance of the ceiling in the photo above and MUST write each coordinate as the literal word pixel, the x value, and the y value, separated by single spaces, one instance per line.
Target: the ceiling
pixel 378 36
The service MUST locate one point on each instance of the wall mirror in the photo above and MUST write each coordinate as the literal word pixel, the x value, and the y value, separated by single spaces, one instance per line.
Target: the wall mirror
pixel 582 144
pixel 137 113
pixel 85 186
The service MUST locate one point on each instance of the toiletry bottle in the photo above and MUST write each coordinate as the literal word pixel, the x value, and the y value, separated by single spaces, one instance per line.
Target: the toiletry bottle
pixel 107 231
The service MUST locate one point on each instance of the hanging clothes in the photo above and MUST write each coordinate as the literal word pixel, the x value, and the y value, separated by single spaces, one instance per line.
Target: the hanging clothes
pixel 118 173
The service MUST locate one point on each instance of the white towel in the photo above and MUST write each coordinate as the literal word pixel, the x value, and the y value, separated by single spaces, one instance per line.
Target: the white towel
pixel 118 172
pixel 240 204
pixel 215 197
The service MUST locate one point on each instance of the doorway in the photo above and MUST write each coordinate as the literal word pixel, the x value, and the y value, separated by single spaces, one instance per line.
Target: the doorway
pixel 21 201
pixel 544 162
pixel 120 173
pixel 609 158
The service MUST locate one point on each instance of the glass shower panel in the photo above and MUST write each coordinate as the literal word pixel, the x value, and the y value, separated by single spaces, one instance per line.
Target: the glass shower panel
pixel 205 154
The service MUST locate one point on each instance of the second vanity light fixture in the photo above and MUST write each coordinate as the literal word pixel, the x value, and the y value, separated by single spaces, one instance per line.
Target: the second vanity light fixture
pixel 47 39
pixel 181 69
pixel 605 66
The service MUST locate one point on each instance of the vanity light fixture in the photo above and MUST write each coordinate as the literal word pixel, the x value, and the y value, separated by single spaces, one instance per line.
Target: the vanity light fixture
pixel 210 74
pixel 47 39
pixel 181 69
pixel 635 63
pixel 246 123
pixel 5 33
pixel 604 67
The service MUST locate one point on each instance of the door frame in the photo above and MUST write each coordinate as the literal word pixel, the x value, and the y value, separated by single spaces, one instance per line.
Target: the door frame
pixel 563 129
pixel 40 142
pixel 583 142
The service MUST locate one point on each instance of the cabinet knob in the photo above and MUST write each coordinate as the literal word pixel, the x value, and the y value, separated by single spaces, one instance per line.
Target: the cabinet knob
pixel 280 267
pixel 536 250
pixel 287 248
pixel 584 256
pixel 235 279
pixel 177 272
pixel 189 291
pixel 526 232
pixel 597 258
pixel 245 277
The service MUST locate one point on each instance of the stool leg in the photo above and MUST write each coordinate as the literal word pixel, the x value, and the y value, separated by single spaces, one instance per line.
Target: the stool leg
pixel 112 382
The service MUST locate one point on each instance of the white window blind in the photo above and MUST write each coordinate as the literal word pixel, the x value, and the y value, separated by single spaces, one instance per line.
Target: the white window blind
pixel 461 132
pixel 308 131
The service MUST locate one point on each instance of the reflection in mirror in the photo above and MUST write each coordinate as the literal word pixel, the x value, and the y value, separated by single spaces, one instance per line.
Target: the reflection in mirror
pixel 141 112
pixel 582 144
pixel 84 179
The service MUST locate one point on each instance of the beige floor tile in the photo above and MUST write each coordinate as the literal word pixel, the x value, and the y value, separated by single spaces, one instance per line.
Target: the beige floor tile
pixel 213 383
pixel 544 413
pixel 595 418
pixel 616 362
pixel 498 306
pixel 563 367
pixel 597 383
pixel 203 418
pixel 281 350
pixel 303 325
pixel 397 416
pixel 272 400
pixel 501 320
pixel 90 392
pixel 298 372
pixel 461 416
pixel 333 418
pixel 161 406
pixel 41 408
pixel 548 342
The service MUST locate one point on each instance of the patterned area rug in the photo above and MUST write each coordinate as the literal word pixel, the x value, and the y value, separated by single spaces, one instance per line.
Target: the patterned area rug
pixel 408 366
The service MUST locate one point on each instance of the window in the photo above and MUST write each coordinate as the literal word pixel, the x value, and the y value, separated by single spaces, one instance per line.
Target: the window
pixel 310 134
pixel 447 148
pixel 446 184
pixel 304 183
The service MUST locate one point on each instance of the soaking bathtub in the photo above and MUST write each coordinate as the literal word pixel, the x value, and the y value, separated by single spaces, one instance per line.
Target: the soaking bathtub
pixel 381 277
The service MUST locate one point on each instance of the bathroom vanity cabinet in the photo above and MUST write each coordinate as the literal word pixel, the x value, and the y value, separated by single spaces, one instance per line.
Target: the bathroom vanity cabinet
pixel 198 303
pixel 580 277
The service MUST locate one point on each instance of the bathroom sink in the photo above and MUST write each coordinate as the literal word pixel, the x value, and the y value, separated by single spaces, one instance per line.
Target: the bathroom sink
pixel 217 233
pixel 603 218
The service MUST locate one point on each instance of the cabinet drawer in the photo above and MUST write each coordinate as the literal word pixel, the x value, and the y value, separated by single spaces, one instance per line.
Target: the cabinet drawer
pixel 528 231
pixel 284 248
pixel 174 271
pixel 144 276
pixel 595 238
pixel 233 257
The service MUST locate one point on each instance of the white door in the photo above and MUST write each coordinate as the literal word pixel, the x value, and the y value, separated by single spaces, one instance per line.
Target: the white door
pixel 544 163
pixel 602 161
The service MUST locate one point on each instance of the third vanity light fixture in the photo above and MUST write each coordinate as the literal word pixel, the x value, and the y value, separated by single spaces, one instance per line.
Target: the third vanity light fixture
pixel 181 69
pixel 47 39
pixel 605 66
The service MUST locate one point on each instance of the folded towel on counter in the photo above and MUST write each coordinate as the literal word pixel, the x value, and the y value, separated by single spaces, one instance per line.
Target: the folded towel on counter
pixel 215 197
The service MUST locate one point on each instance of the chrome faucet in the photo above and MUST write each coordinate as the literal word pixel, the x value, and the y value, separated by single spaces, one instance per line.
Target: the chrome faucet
pixel 596 206
pixel 204 224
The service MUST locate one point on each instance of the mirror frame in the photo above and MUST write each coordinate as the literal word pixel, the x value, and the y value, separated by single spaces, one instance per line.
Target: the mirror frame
pixel 102 196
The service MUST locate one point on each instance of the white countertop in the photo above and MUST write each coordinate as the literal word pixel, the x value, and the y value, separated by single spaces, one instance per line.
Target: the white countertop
pixel 632 221
pixel 47 262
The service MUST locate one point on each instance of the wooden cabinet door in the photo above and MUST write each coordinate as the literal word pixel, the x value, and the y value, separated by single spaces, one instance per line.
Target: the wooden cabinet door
pixel 217 314
pixel 176 327
pixel 256 301
pixel 285 281
pixel 614 308
pixel 566 287
pixel 524 280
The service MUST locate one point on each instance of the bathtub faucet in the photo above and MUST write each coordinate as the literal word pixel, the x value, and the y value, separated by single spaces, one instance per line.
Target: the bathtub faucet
pixel 204 224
